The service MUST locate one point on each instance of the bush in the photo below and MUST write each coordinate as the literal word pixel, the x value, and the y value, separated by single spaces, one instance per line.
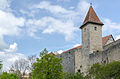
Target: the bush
pixel 108 71
pixel 74 76
pixel 6 75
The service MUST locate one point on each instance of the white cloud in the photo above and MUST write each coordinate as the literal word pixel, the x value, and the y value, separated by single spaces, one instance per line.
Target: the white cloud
pixel 72 7
pixel 3 44
pixel 111 27
pixel 9 25
pixel 9 58
pixel 60 51
pixel 4 4
pixel 57 11
pixel 12 48
pixel 82 8
pixel 52 8
pixel 28 13
pixel 63 22
pixel 118 37
pixel 76 45
pixel 64 0
pixel 50 25
pixel 108 24
pixel 60 11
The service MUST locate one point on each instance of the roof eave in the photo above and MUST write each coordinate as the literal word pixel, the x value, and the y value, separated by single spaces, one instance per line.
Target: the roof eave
pixel 100 23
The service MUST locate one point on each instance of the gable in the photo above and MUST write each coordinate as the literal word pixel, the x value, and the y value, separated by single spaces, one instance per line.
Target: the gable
pixel 107 40
pixel 110 40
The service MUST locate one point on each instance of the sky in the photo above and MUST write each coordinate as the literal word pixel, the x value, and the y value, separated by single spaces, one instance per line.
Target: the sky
pixel 29 26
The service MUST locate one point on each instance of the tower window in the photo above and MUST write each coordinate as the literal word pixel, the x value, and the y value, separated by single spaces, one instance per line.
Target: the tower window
pixel 84 29
pixel 95 28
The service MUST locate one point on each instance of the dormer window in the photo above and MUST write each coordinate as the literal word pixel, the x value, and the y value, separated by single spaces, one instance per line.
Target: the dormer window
pixel 95 28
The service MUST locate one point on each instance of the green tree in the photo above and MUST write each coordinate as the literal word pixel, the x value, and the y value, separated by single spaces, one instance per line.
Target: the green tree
pixel 0 64
pixel 108 71
pixel 6 75
pixel 112 70
pixel 47 67
pixel 43 53
pixel 96 71
pixel 74 76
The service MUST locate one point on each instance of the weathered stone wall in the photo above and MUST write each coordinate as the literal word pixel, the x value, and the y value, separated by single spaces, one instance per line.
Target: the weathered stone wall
pixel 96 57
pixel 92 38
pixel 91 41
pixel 68 61
pixel 78 59
pixel 95 37
pixel 85 39
pixel 111 44
pixel 74 59
pixel 111 53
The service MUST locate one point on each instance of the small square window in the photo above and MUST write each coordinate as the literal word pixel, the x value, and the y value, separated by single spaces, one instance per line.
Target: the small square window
pixel 95 28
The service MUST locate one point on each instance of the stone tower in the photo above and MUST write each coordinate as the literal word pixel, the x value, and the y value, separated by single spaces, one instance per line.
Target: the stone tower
pixel 91 37
pixel 91 33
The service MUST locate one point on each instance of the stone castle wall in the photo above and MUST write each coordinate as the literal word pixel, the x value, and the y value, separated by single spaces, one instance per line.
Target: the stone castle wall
pixel 111 53
pixel 78 59
pixel 68 61
pixel 73 59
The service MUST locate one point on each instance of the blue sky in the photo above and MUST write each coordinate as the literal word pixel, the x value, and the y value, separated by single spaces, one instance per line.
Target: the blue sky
pixel 29 26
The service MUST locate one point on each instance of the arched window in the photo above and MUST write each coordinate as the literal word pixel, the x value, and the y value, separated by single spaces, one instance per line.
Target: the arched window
pixel 95 28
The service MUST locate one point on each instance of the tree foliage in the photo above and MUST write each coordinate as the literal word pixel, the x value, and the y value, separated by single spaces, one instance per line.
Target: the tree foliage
pixel 74 76
pixel 1 64
pixel 43 53
pixel 108 71
pixel 6 75
pixel 47 67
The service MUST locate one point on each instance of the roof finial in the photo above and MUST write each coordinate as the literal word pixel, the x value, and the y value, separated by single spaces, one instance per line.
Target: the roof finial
pixel 90 4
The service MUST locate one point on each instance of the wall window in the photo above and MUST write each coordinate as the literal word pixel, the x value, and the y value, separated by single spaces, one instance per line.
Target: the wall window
pixel 69 52
pixel 95 28
pixel 84 29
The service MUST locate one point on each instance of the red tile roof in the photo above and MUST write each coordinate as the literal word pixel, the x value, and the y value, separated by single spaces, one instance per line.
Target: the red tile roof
pixel 73 48
pixel 91 16
pixel 104 41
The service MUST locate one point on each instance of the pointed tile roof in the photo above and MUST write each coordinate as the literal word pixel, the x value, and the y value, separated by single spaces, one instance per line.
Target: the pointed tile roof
pixel 91 17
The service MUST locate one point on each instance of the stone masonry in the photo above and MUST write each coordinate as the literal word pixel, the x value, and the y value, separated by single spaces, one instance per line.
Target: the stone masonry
pixel 94 48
